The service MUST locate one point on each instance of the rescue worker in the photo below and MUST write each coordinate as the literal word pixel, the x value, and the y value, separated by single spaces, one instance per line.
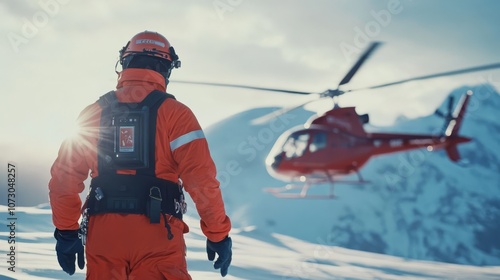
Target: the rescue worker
pixel 132 220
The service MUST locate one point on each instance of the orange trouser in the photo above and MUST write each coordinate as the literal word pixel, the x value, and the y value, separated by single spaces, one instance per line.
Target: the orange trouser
pixel 123 247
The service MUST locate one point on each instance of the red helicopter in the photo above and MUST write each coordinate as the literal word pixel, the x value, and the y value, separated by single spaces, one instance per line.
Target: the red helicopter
pixel 336 144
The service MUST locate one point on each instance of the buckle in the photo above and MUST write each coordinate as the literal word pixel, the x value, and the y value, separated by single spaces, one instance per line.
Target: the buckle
pixel 181 205
pixel 154 193
pixel 99 194
pixel 82 231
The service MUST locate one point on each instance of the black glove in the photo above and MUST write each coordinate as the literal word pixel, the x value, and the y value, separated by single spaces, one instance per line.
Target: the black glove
pixel 67 246
pixel 223 249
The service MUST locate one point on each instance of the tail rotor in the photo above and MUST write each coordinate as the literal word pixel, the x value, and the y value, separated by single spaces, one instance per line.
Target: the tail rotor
pixel 452 125
pixel 447 115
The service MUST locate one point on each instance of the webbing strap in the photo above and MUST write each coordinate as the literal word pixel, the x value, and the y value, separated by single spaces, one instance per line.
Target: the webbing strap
pixel 107 99
pixel 132 194
pixel 153 101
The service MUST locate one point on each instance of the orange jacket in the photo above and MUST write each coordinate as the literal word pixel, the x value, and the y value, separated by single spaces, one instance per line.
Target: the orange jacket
pixel 181 152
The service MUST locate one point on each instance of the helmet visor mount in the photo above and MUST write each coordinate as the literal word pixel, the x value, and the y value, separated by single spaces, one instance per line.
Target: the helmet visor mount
pixel 141 61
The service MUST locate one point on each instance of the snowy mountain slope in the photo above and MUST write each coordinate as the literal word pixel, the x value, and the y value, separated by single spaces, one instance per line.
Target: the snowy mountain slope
pixel 257 255
pixel 418 205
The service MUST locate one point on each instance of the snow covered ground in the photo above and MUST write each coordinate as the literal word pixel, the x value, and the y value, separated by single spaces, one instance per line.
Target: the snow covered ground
pixel 256 255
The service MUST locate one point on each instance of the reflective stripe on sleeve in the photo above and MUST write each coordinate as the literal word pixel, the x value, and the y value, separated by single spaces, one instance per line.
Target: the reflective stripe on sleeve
pixel 186 138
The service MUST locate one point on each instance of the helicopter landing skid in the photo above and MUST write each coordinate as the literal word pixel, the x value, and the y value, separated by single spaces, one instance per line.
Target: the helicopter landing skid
pixel 284 192
pixel 287 191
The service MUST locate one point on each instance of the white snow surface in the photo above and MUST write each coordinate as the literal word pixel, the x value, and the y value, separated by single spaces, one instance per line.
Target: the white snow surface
pixel 256 255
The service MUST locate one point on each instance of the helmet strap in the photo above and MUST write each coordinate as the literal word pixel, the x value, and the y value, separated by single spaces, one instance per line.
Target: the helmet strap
pixel 116 66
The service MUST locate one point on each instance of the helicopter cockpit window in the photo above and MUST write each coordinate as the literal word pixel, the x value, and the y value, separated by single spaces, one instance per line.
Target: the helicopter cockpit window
pixel 295 145
pixel 318 142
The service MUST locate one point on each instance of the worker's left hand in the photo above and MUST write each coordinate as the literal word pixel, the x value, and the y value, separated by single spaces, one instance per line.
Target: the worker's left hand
pixel 68 247
pixel 223 249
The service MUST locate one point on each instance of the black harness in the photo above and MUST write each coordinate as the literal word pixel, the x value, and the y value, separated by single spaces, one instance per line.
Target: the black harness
pixel 127 141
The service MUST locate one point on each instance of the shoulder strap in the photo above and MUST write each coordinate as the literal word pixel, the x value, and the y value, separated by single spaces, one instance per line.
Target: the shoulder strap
pixel 153 101
pixel 107 99
pixel 153 98
pixel 110 97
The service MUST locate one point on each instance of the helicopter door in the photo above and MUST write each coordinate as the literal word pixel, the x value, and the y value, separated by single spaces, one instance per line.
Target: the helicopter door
pixel 318 142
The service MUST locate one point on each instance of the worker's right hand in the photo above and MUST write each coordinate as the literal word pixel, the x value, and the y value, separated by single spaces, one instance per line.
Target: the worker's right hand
pixel 67 247
pixel 223 249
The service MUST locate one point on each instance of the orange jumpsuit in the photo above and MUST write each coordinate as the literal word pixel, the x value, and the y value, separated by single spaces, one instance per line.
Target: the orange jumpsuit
pixel 127 246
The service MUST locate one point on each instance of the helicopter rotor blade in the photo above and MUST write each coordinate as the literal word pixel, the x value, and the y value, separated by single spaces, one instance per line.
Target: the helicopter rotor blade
pixel 345 80
pixel 267 117
pixel 360 62
pixel 243 86
pixel 443 74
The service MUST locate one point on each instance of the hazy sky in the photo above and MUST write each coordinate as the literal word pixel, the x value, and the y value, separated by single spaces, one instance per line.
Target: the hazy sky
pixel 59 55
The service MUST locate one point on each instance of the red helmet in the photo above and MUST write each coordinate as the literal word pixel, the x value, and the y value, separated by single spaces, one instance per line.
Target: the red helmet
pixel 150 44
